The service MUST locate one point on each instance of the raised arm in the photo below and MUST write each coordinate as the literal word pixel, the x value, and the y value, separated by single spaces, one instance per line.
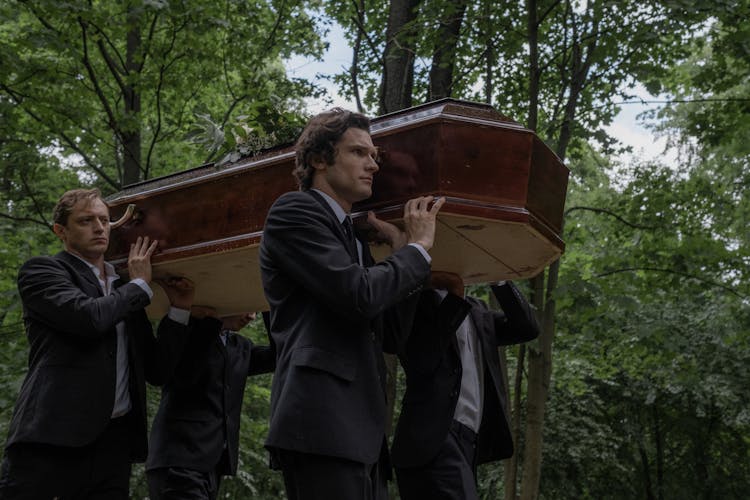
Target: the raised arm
pixel 517 323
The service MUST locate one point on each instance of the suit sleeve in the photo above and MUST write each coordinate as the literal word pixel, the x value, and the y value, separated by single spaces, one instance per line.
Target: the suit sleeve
pixel 517 323
pixel 299 238
pixel 263 358
pixel 164 352
pixel 398 322
pixel 436 319
pixel 52 295
pixel 452 311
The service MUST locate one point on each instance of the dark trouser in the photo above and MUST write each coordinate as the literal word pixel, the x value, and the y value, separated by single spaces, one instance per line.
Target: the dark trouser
pixel 100 470
pixel 451 475
pixel 178 483
pixel 319 477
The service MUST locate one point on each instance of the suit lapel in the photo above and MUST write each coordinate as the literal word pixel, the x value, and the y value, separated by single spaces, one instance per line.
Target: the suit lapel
pixel 483 329
pixel 226 366
pixel 367 259
pixel 339 229
pixel 224 348
pixel 452 332
pixel 84 271
pixel 484 324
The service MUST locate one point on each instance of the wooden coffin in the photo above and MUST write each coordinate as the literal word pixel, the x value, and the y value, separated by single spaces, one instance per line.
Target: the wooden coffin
pixel 505 193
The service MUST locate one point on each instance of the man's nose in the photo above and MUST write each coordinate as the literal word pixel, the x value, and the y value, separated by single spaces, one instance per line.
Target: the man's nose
pixel 373 165
pixel 99 226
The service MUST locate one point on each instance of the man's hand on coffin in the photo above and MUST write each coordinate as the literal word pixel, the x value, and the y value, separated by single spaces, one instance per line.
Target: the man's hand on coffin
pixel 139 259
pixel 447 281
pixel 419 220
pixel 237 322
pixel 201 312
pixel 180 291
pixel 387 232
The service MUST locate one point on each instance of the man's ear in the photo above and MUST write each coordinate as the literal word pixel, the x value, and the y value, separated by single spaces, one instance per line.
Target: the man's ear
pixel 318 163
pixel 59 230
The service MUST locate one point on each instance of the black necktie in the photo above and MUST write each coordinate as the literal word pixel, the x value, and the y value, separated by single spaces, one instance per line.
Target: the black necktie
pixel 350 239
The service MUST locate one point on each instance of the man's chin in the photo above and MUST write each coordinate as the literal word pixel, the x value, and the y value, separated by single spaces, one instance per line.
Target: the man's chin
pixel 98 248
pixel 364 194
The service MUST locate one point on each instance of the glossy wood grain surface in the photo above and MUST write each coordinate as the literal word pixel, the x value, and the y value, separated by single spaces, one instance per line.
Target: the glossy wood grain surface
pixel 505 194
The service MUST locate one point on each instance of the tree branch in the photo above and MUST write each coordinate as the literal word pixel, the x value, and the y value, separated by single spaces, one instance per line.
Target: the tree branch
pixel 147 43
pixel 540 19
pixel 373 46
pixel 25 219
pixel 42 20
pixel 672 271
pixel 92 75
pixel 610 213
pixel 231 107
pixel 157 128
pixel 72 144
pixel 272 35
pixel 30 193
pixel 110 62
pixel 113 69
pixel 685 101
pixel 354 70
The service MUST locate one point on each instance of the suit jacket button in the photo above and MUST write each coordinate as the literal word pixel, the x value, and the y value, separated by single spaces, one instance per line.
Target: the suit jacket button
pixel 111 354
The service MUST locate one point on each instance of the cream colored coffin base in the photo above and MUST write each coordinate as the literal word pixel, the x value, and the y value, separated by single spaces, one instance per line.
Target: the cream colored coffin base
pixel 490 251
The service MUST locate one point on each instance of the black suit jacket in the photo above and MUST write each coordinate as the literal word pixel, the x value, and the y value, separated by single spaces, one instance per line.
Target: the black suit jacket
pixel 433 373
pixel 67 396
pixel 200 404
pixel 330 318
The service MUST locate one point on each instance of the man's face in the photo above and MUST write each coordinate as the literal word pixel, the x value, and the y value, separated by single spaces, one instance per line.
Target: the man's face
pixel 87 231
pixel 349 179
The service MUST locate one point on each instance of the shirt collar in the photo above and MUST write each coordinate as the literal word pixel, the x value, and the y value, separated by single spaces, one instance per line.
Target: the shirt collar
pixel 340 213
pixel 109 269
pixel 444 293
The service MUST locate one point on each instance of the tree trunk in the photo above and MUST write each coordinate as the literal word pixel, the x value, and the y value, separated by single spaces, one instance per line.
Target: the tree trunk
pixel 398 71
pixel 532 25
pixel 391 374
pixel 536 396
pixel 540 368
pixel 511 465
pixel 395 94
pixel 659 453
pixel 646 470
pixel 444 54
pixel 540 361
pixel 489 58
pixel 354 70
pixel 133 170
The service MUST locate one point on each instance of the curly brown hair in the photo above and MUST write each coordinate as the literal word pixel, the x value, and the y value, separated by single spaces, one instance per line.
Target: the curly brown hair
pixel 318 141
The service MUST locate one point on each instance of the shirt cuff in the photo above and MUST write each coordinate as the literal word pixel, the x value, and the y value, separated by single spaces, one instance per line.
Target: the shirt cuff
pixel 181 316
pixel 144 286
pixel 422 251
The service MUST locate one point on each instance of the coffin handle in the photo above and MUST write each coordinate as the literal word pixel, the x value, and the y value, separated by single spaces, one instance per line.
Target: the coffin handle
pixel 125 217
